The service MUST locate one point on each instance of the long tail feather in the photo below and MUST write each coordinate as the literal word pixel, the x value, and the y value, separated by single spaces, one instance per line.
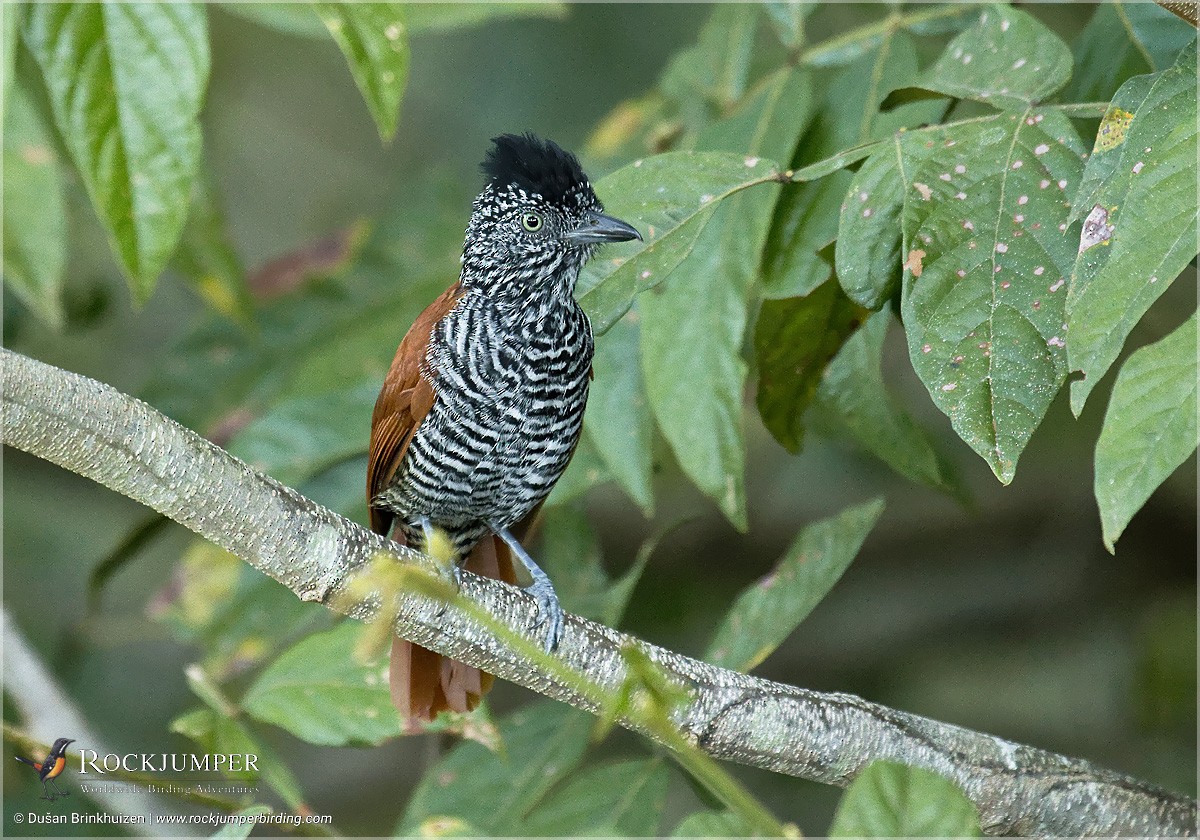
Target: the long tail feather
pixel 424 683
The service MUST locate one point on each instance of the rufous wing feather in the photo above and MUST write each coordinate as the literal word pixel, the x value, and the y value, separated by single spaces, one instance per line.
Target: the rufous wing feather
pixel 404 400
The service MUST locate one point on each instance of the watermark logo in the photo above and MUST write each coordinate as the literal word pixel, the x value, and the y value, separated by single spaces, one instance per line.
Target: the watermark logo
pixel 50 768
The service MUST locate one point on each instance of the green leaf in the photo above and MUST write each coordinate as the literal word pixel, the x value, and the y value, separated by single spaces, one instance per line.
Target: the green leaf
pixel 493 793
pixel 867 255
pixel 852 45
pixel 1007 59
pixel 794 340
pixel 691 355
pixel 669 198
pixel 207 258
pixel 216 733
pixel 987 254
pixel 1142 175
pixel 319 692
pixel 126 83
pixel 710 77
pixel 618 418
pixel 621 799
pixel 892 800
pixel 374 40
pixel 1149 429
pixel 805 222
pixel 35 216
pixel 852 393
pixel 238 830
pixel 301 436
pixel 238 615
pixel 806 219
pixel 787 18
pixel 713 824
pixel 766 613
pixel 1121 40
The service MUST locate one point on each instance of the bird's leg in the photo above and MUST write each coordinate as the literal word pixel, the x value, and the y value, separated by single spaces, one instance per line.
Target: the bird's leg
pixel 46 792
pixel 57 790
pixel 549 610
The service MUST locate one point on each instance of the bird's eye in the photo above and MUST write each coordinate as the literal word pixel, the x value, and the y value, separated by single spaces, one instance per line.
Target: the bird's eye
pixel 532 222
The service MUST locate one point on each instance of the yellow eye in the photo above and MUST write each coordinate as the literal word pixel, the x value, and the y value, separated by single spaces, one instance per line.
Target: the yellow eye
pixel 532 222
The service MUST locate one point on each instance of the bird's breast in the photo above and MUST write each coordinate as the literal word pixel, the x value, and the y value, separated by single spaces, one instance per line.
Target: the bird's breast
pixel 508 411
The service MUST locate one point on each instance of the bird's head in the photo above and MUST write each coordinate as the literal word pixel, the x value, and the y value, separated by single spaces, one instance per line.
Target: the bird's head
pixel 537 220
pixel 61 744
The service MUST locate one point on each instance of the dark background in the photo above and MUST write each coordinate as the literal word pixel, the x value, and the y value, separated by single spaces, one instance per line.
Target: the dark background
pixel 1006 615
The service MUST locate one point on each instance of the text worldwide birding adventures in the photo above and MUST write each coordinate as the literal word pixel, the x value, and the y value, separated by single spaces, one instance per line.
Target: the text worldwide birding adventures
pixel 483 405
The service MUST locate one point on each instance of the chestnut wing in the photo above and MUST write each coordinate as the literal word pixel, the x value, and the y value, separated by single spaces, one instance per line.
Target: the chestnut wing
pixel 403 402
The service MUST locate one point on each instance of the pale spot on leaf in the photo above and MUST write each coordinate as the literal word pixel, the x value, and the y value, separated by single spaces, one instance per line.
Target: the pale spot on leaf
pixel 913 263
pixel 1096 229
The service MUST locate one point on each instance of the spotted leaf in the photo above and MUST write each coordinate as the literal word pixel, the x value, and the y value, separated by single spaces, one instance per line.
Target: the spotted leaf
pixel 1007 59
pixel 867 254
pixel 988 203
pixel 1144 184
pixel 669 198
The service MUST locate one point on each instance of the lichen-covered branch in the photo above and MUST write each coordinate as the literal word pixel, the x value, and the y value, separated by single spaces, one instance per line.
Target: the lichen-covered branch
pixel 95 431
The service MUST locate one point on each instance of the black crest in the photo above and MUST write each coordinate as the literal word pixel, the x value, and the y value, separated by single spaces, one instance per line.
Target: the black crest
pixel 534 165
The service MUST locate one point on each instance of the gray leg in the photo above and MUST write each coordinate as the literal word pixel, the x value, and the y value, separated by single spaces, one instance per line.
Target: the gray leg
pixel 549 611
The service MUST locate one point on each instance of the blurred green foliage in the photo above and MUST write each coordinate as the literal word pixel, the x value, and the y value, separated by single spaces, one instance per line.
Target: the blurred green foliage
pixel 778 250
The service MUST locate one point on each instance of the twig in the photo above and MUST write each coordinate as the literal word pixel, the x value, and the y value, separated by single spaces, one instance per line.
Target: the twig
pixel 96 431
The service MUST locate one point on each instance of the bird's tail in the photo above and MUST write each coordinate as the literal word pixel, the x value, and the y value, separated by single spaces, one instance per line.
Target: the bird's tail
pixel 424 683
pixel 34 764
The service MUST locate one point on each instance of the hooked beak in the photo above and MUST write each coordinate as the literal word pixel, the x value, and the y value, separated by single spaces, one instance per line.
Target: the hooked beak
pixel 597 227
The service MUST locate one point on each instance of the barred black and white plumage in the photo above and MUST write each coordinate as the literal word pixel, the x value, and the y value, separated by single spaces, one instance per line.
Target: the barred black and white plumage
pixel 511 384
pixel 483 405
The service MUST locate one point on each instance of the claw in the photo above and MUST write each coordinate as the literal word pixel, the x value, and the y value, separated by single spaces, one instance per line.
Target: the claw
pixel 549 614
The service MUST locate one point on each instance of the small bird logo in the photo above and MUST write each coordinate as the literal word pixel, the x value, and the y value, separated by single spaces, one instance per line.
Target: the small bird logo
pixel 51 768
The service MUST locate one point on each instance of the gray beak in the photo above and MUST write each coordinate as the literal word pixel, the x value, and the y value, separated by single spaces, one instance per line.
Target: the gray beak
pixel 597 227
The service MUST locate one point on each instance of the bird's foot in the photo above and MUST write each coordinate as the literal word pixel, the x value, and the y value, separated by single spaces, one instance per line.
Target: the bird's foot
pixel 452 576
pixel 550 613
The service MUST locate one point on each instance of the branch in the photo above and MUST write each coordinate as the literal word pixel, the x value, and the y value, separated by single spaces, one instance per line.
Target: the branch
pixel 96 431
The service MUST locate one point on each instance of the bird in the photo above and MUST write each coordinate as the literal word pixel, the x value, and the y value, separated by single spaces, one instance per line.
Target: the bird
pixel 51 768
pixel 482 407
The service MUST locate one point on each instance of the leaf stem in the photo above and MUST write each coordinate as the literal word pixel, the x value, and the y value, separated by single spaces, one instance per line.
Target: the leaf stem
pixel 649 717
pixel 821 54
